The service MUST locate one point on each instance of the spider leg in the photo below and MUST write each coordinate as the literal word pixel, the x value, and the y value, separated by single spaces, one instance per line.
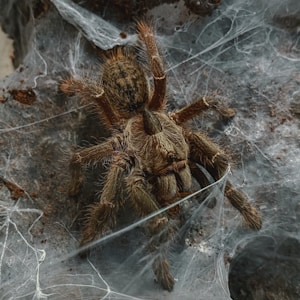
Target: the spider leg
pixel 240 202
pixel 102 216
pixel 193 110
pixel 159 227
pixel 207 153
pixel 146 34
pixel 88 156
pixel 89 90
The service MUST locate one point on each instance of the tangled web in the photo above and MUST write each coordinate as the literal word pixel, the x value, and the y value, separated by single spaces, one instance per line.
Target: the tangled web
pixel 245 54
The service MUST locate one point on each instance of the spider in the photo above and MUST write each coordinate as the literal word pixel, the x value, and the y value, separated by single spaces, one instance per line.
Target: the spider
pixel 153 153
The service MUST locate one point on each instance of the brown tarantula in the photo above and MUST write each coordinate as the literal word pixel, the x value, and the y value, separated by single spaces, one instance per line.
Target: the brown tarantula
pixel 153 153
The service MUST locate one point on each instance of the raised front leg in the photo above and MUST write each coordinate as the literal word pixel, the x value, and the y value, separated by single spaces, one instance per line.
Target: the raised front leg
pixel 146 33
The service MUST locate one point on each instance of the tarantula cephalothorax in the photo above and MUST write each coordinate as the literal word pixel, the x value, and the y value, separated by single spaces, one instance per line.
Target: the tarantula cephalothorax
pixel 154 155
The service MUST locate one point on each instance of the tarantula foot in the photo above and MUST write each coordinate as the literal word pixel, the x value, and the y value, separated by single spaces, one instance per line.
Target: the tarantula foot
pixel 241 203
pixel 226 112
pixel 163 275
pixel 87 237
pixel 67 86
pixel 253 218
pixel 100 220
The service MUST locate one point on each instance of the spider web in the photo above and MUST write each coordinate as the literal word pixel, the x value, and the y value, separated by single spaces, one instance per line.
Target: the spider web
pixel 245 54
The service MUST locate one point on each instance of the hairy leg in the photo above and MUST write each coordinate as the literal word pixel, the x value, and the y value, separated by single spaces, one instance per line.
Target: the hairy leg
pixel 158 227
pixel 101 217
pixel 240 202
pixel 207 153
pixel 87 156
pixel 91 91
pixel 204 151
pixel 146 33
pixel 195 109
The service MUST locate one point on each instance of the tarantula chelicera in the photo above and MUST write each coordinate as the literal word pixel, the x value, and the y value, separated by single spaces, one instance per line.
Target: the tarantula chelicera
pixel 154 154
